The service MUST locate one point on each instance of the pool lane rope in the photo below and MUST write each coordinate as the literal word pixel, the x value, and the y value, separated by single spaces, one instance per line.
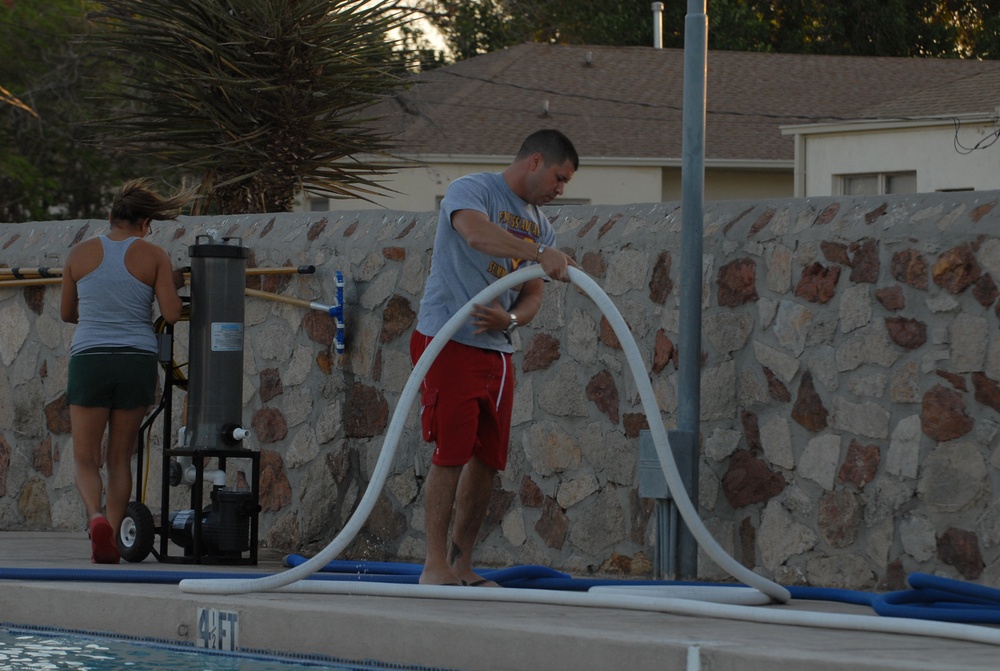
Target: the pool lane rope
pixel 292 579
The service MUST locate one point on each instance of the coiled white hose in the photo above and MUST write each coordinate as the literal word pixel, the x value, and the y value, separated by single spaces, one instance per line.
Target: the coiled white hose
pixel 291 580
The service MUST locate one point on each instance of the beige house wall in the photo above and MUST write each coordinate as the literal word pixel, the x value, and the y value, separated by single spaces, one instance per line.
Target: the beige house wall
pixel 733 183
pixel 938 151
pixel 420 188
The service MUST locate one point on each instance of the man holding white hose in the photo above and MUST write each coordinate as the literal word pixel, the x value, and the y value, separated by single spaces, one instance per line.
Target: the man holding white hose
pixel 490 224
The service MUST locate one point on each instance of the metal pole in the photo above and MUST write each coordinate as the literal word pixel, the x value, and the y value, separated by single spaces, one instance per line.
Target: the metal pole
pixel 657 25
pixel 692 244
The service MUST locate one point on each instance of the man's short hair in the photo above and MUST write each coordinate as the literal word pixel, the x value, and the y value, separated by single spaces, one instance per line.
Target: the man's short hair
pixel 552 145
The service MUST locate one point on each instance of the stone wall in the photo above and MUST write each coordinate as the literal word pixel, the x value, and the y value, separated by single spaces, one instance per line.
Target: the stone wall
pixel 850 387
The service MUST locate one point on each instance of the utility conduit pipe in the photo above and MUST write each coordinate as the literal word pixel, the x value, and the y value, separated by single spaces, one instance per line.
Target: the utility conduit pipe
pixel 412 388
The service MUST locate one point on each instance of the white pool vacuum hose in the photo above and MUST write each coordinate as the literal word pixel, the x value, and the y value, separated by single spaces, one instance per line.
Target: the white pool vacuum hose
pixel 412 389
pixel 769 591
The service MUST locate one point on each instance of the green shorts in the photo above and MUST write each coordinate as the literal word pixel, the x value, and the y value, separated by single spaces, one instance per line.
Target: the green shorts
pixel 120 378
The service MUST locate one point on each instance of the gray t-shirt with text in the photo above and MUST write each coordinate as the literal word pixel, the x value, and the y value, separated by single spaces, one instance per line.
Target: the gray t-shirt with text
pixel 459 272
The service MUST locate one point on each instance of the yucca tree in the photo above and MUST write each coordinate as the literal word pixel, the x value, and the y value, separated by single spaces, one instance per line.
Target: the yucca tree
pixel 260 99
pixel 8 98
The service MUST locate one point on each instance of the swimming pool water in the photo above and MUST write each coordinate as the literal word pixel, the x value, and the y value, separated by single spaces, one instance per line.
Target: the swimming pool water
pixel 29 650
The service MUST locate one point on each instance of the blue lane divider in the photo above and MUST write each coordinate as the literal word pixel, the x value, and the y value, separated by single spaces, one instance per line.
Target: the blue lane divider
pixel 833 594
pixel 941 599
pixel 364 567
pixel 165 577
pixel 527 576
pixel 929 597
pixel 106 575
pixel 366 570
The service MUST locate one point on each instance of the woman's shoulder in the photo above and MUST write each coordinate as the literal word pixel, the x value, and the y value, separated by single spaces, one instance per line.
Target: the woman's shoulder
pixel 147 248
pixel 84 249
pixel 83 258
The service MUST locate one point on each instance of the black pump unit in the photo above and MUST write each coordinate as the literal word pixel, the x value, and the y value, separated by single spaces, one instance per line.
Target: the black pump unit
pixel 225 525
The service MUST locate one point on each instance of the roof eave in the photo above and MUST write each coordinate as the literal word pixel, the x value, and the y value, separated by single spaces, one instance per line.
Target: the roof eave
pixel 857 125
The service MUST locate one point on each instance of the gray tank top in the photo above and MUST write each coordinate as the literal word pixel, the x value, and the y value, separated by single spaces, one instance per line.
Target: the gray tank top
pixel 116 309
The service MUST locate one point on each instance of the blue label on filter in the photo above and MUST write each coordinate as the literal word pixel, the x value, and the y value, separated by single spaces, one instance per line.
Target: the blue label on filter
pixel 227 337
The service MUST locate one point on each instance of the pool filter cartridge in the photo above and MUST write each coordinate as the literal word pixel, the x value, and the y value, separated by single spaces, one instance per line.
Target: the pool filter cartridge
pixel 215 385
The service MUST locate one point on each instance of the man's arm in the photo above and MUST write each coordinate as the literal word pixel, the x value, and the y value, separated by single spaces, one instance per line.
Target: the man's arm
pixel 526 306
pixel 528 301
pixel 484 236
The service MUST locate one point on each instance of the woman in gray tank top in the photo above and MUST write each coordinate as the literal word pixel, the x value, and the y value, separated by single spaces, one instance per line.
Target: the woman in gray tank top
pixel 108 287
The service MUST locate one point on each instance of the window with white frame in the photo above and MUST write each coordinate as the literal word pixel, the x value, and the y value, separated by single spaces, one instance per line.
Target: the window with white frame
pixel 877 183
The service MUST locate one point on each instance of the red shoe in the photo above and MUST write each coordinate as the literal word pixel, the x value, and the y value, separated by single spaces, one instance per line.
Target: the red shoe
pixel 103 547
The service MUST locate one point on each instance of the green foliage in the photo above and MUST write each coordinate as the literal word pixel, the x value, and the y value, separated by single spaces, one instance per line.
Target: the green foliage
pixel 47 168
pixel 949 28
pixel 415 51
pixel 471 28
pixel 259 98
pixel 977 23
pixel 851 27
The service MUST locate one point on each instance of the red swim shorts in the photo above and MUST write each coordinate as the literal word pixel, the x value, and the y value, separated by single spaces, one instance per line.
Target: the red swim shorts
pixel 466 403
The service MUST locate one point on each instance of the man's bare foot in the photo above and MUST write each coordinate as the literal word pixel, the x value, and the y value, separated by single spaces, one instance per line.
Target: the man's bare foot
pixel 435 578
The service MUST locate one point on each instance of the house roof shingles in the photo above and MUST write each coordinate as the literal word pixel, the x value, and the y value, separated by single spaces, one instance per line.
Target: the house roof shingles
pixel 628 102
pixel 977 94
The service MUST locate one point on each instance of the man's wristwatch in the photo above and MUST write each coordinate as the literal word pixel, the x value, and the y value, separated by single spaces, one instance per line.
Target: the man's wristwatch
pixel 538 253
pixel 513 322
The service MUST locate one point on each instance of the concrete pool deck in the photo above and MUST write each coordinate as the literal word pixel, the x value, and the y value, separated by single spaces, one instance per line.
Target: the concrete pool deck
pixel 453 634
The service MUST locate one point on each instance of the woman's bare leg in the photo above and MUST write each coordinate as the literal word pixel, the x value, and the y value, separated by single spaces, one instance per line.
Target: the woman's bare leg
pixel 123 436
pixel 88 436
